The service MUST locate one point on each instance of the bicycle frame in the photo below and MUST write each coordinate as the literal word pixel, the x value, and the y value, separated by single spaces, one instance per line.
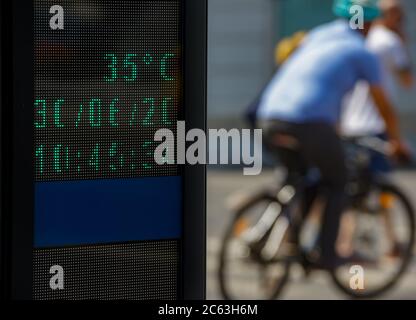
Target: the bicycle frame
pixel 361 180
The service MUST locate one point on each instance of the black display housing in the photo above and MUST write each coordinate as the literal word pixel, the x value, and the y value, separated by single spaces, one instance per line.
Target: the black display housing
pixel 16 136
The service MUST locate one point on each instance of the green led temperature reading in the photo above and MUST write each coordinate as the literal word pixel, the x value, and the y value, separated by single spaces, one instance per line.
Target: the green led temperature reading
pixel 127 67
pixel 129 63
pixel 103 86
pixel 112 67
pixel 164 67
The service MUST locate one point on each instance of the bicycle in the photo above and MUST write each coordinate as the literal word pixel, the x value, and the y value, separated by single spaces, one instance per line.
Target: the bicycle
pixel 267 235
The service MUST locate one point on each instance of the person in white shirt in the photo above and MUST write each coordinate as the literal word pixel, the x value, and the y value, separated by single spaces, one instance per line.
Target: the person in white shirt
pixel 360 116
pixel 386 39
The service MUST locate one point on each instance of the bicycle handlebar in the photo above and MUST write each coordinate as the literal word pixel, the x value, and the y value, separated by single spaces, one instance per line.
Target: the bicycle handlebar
pixel 378 145
pixel 372 143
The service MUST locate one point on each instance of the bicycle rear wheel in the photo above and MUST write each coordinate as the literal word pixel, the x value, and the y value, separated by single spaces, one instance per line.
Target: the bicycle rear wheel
pixel 384 237
pixel 252 262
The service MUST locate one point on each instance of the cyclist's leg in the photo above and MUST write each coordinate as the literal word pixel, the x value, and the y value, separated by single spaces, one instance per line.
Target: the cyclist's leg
pixel 380 164
pixel 322 148
pixel 280 140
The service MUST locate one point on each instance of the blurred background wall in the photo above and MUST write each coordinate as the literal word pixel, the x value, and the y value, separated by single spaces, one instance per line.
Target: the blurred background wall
pixel 241 40
pixel 242 36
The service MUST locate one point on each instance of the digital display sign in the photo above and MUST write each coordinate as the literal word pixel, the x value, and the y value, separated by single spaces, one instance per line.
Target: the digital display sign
pixel 105 81
pixel 87 213
pixel 107 76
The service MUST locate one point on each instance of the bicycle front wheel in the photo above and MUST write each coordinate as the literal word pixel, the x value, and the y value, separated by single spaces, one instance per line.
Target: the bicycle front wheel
pixel 384 238
pixel 252 263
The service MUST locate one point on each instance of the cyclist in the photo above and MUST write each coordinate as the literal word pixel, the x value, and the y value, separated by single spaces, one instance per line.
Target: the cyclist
pixel 300 109
pixel 360 117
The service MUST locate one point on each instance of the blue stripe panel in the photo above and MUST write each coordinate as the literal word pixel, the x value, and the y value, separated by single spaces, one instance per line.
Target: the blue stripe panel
pixel 107 211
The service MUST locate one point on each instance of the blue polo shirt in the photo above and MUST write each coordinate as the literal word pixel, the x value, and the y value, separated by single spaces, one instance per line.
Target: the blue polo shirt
pixel 311 85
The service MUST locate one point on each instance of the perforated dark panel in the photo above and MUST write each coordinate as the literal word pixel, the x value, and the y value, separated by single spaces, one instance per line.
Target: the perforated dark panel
pixel 146 270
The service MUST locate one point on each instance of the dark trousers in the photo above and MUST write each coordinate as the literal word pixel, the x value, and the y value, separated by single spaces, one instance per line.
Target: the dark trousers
pixel 313 145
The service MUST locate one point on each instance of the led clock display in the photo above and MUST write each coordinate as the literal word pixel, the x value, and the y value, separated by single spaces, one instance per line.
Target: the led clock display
pixel 104 84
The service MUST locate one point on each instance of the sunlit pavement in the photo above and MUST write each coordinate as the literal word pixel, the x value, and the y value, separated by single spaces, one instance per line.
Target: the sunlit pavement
pixel 224 184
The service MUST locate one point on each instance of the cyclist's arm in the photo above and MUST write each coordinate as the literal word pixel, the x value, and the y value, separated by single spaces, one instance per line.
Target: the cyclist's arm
pixel 400 58
pixel 386 111
pixel 400 150
pixel 406 78
pixel 372 73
